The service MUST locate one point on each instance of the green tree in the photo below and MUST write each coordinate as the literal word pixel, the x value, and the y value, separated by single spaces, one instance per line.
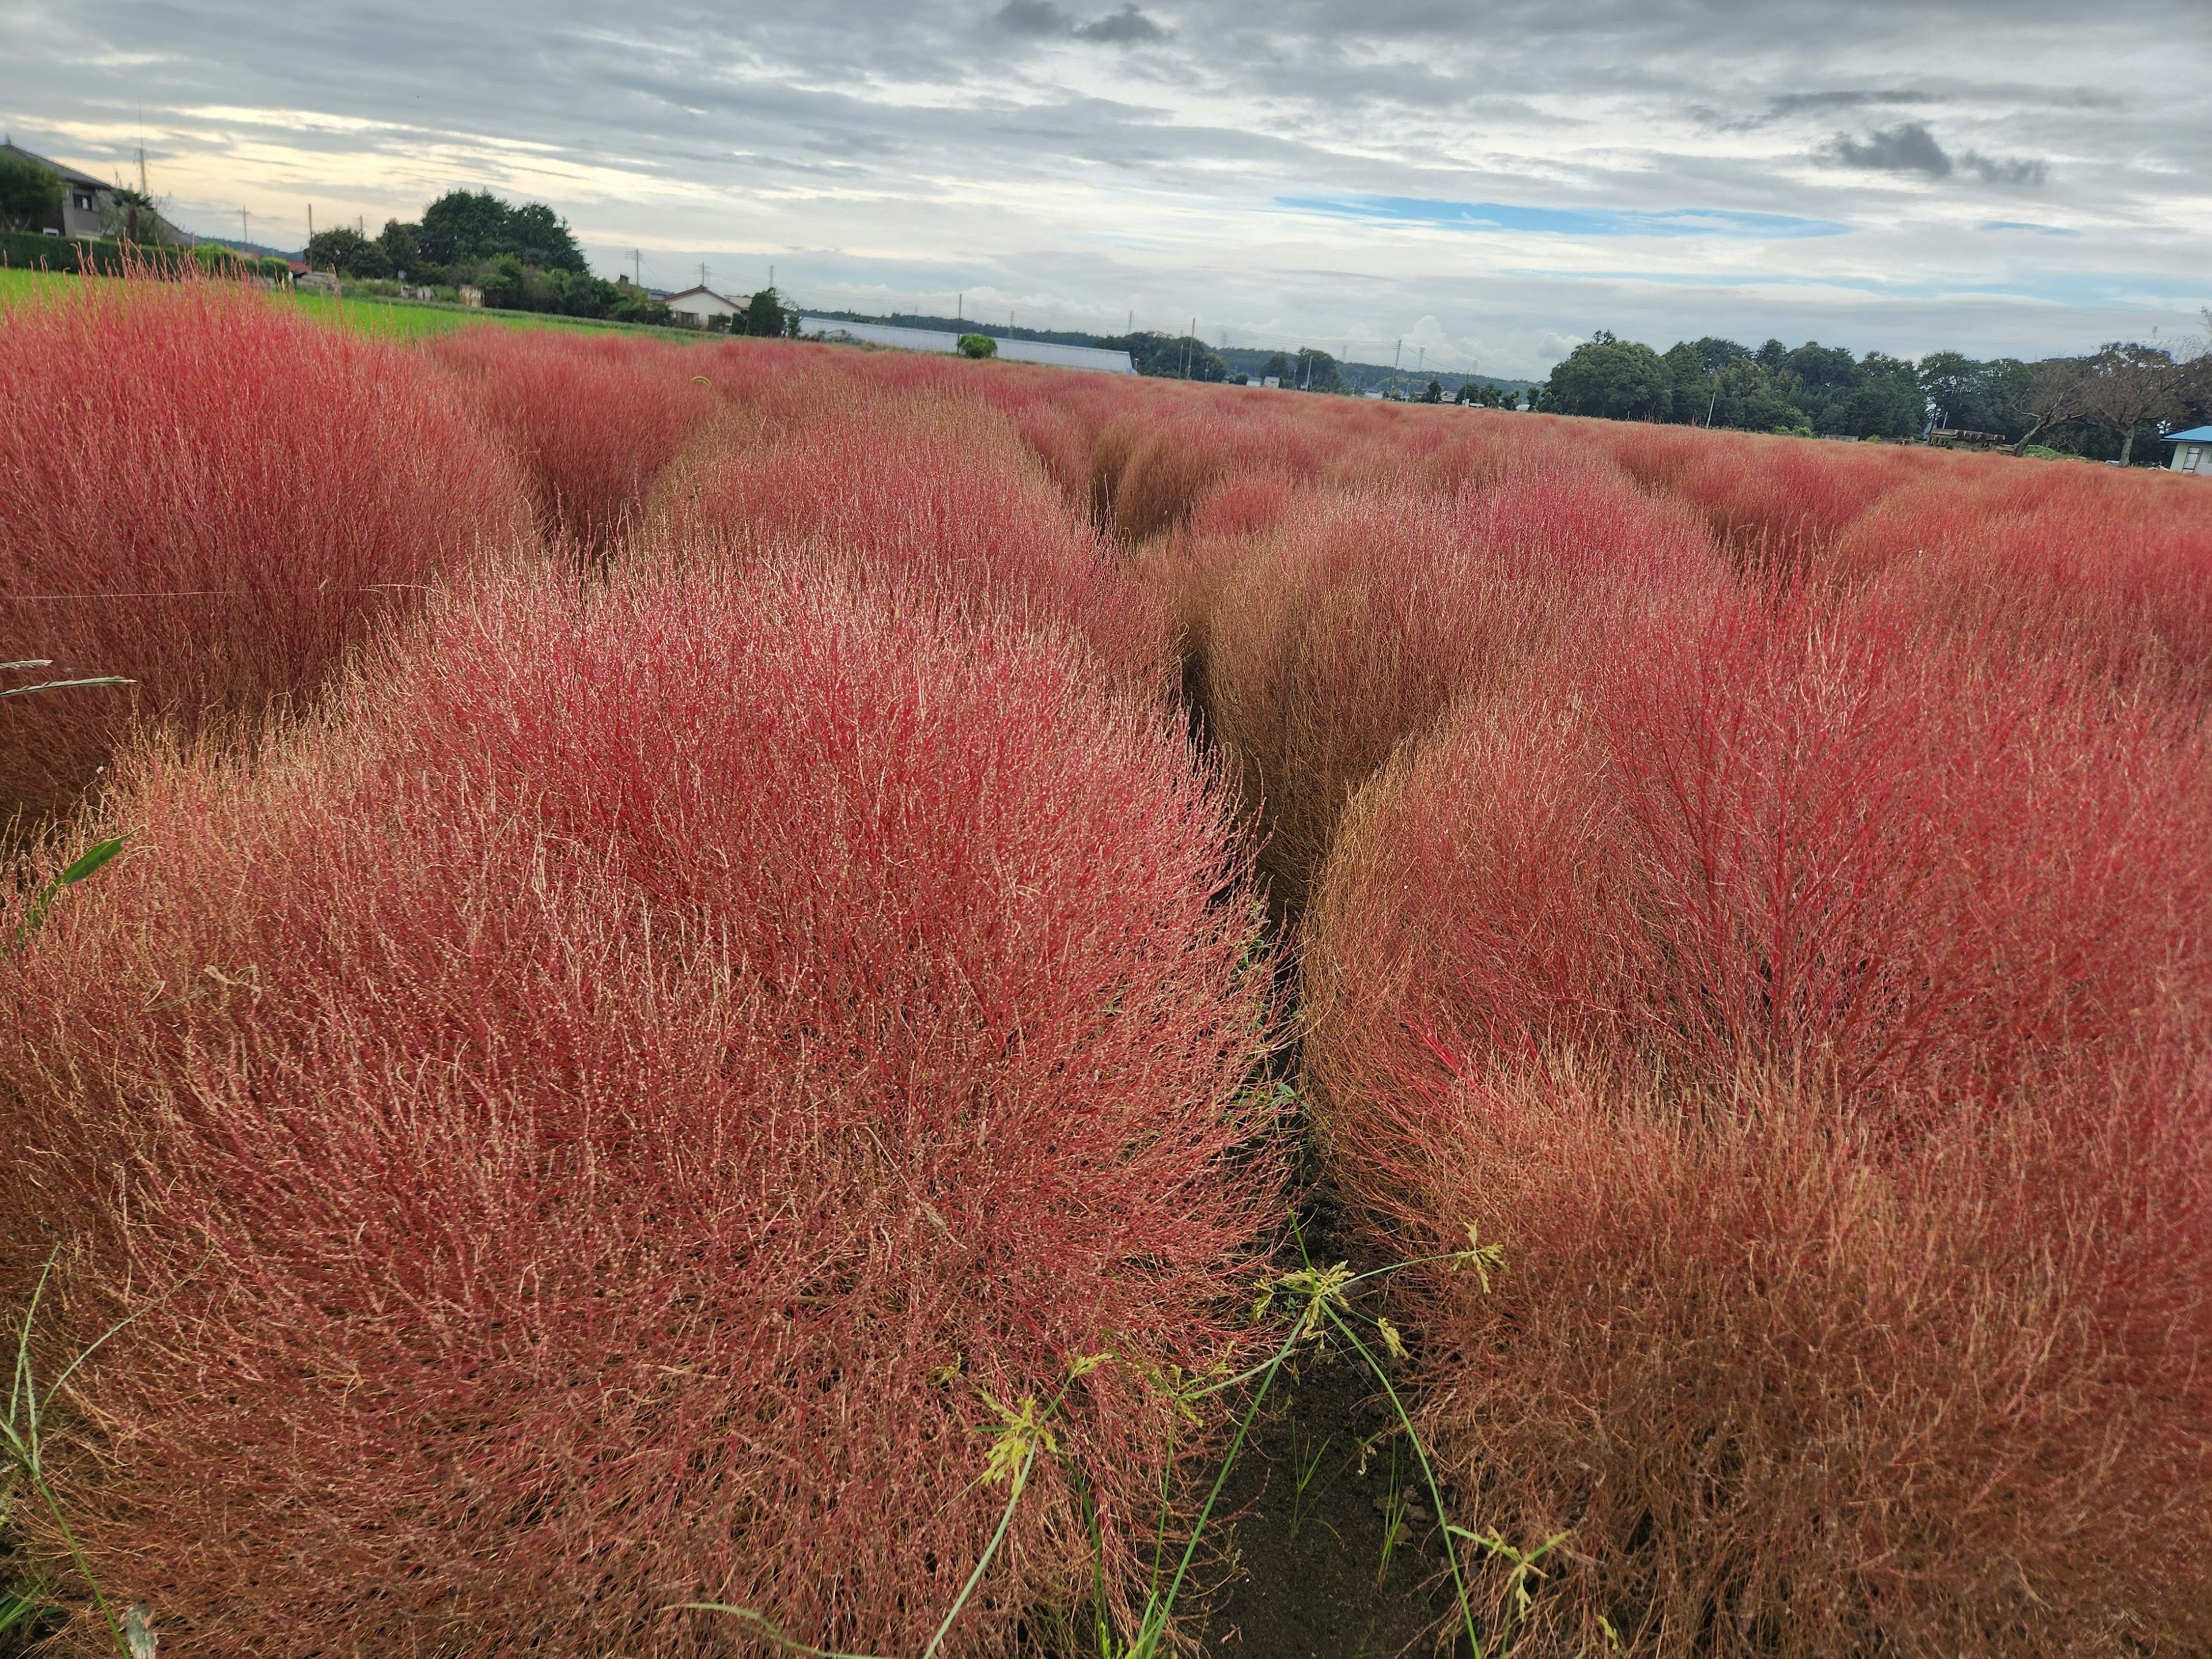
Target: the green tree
pixel 504 281
pixel 1619 380
pixel 402 248
pixel 30 195
pixel 348 252
pixel 1169 356
pixel 1316 371
pixel 1751 401
pixel 627 303
pixel 762 315
pixel 541 237
pixel 1435 394
pixel 978 345
pixel 463 227
pixel 1957 386
pixel 1885 402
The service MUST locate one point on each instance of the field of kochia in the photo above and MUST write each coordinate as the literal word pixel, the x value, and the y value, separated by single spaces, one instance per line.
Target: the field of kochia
pixel 724 956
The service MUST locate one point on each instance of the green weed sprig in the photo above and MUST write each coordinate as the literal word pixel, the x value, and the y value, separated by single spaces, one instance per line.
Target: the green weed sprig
pixel 1317 1302
pixel 22 1455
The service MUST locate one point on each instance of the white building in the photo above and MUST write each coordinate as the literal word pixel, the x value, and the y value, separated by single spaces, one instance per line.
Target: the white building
pixel 698 304
pixel 2192 450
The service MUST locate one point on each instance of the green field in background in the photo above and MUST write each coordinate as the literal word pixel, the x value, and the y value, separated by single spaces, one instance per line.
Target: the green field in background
pixel 17 284
pixel 386 320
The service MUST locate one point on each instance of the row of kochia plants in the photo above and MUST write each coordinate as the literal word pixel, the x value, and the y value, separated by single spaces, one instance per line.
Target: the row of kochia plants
pixel 715 967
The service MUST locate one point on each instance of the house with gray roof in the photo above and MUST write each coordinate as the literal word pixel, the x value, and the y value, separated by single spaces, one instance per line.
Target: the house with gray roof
pixel 88 204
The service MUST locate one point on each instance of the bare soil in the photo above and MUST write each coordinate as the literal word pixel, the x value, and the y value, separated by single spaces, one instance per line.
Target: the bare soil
pixel 1304 1573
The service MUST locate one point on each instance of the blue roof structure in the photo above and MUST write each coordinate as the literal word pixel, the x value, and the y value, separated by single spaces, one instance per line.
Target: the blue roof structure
pixel 2195 434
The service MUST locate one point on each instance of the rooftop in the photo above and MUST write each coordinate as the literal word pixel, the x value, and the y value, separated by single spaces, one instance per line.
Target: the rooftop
pixel 69 174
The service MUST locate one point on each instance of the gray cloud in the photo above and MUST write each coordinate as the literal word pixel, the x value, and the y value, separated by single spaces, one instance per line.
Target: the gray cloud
pixel 1045 21
pixel 1907 148
pixel 1910 148
pixel 1122 28
pixel 2014 170
pixel 1038 17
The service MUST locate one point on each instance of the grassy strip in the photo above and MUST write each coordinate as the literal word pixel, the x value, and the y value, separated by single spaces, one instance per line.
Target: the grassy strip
pixel 379 319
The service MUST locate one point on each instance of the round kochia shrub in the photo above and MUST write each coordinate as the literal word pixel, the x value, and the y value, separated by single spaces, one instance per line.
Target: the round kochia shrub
pixel 1360 616
pixel 592 420
pixel 1783 1392
pixel 933 494
pixel 217 498
pixel 611 1107
pixel 1815 1018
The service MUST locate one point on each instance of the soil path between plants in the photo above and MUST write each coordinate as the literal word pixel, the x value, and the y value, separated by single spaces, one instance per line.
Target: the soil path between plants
pixel 1302 1573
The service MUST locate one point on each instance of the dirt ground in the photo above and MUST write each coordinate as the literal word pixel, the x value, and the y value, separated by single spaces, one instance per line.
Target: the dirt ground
pixel 1305 1574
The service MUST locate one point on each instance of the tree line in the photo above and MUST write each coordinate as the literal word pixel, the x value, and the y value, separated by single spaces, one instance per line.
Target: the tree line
pixel 2103 406
pixel 522 257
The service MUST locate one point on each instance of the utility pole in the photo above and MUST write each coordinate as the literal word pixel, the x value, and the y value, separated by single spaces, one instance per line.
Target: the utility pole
pixel 245 225
pixel 142 191
pixel 702 273
pixel 637 263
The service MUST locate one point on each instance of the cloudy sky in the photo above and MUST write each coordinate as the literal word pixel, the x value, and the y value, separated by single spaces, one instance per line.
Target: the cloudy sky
pixel 1487 182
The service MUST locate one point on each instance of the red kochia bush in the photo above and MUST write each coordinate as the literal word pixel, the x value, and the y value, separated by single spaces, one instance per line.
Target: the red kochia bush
pixel 1363 615
pixel 2105 568
pixel 936 495
pixel 607 1107
pixel 1814 1017
pixel 1783 1394
pixel 217 498
pixel 1150 467
pixel 1773 502
pixel 1793 844
pixel 592 420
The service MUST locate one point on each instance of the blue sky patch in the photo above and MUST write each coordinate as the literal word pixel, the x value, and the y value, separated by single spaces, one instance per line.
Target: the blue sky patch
pixel 1559 221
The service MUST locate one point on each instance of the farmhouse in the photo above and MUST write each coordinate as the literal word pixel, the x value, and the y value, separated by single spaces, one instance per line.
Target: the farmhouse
pixel 2192 450
pixel 698 304
pixel 89 206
